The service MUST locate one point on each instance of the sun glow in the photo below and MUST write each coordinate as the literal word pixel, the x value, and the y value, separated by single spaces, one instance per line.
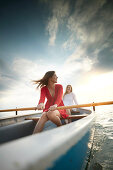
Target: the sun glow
pixel 102 81
pixel 98 88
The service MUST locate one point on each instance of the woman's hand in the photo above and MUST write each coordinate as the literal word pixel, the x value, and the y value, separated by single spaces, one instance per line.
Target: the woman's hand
pixel 53 107
pixel 40 106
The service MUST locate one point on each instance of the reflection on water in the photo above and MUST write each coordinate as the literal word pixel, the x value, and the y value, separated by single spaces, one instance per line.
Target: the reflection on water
pixel 102 152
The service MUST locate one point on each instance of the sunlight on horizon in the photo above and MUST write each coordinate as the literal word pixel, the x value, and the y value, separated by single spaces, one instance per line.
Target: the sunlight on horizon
pixel 98 89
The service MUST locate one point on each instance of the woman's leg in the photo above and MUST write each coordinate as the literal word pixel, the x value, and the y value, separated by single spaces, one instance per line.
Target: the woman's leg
pixel 40 125
pixel 54 116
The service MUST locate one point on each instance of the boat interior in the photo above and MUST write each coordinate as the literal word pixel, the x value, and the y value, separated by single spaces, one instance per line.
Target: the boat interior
pixel 26 127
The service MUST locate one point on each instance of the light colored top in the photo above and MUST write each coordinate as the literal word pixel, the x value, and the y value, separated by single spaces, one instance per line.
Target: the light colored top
pixel 70 99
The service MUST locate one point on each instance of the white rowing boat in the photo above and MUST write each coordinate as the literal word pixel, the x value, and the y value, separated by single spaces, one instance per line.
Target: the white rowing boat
pixel 65 147
pixel 52 149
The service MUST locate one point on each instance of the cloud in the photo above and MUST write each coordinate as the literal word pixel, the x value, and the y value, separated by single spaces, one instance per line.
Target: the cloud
pixel 91 23
pixel 7 74
pixel 105 59
pixel 11 73
pixel 52 30
pixel 71 43
pixel 60 10
pixel 24 71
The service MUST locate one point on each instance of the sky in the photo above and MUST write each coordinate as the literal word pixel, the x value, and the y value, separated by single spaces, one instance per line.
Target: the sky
pixel 72 37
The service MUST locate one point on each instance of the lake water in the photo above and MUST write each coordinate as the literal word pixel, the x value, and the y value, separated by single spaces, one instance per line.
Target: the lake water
pixel 102 151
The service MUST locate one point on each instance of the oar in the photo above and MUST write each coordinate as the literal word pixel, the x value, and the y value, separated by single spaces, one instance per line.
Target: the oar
pixel 85 105
pixel 19 109
pixel 62 107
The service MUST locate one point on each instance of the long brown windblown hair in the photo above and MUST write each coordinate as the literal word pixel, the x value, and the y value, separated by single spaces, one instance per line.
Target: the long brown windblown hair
pixel 44 81
pixel 66 89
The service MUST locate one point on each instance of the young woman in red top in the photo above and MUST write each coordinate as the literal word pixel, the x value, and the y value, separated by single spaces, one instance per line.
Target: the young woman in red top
pixel 54 93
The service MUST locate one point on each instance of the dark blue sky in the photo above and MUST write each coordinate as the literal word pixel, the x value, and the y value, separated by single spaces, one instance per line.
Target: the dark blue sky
pixel 22 27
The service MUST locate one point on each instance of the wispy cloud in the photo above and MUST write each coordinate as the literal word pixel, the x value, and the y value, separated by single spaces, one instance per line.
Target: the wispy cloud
pixel 52 28
pixel 60 11
pixel 92 24
pixel 71 43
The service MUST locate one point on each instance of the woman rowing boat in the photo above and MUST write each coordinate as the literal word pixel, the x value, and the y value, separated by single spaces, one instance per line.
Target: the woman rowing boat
pixel 53 92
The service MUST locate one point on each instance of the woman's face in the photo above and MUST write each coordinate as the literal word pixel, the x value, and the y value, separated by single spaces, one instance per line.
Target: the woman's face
pixel 54 78
pixel 69 89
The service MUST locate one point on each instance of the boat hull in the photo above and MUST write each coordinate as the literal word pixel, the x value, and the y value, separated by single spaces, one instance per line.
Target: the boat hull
pixel 76 157
pixel 49 149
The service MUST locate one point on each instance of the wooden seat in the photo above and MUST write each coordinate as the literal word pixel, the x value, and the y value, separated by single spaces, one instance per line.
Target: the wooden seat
pixel 70 117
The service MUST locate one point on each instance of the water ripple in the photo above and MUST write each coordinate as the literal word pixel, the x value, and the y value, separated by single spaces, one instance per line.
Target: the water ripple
pixel 102 152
